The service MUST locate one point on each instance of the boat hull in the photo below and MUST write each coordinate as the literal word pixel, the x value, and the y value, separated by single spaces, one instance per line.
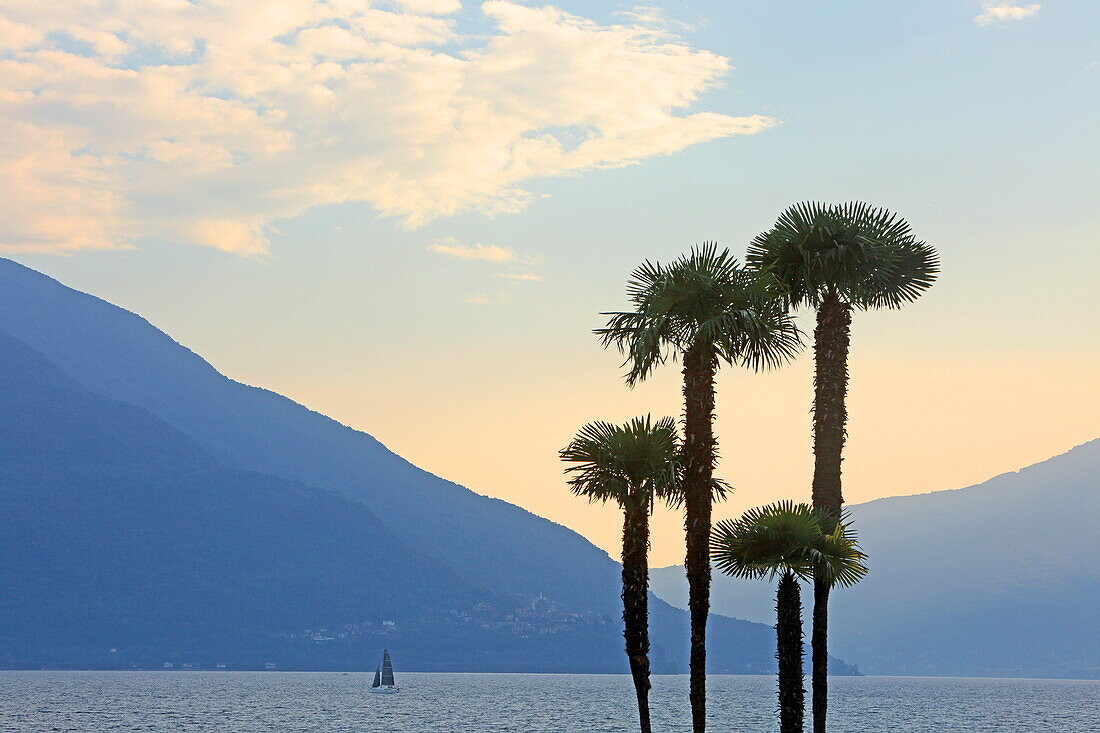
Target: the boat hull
pixel 385 690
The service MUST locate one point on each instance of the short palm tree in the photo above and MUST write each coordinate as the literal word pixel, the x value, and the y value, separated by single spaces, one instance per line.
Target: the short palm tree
pixel 634 465
pixel 787 540
pixel 704 309
pixel 836 258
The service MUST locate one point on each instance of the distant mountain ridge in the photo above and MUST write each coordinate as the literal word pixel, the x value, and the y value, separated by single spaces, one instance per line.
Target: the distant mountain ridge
pixel 244 441
pixel 119 355
pixel 118 531
pixel 998 579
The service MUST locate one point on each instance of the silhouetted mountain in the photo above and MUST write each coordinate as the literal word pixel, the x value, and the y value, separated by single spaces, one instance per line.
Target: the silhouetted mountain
pixel 998 579
pixel 158 504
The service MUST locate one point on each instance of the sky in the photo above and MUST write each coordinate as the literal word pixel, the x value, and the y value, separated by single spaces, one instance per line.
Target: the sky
pixel 409 215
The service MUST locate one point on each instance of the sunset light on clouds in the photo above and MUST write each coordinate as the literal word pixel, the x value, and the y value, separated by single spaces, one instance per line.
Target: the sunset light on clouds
pixel 994 12
pixel 487 252
pixel 204 123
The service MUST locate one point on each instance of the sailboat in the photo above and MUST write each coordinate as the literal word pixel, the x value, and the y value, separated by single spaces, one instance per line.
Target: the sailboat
pixel 383 676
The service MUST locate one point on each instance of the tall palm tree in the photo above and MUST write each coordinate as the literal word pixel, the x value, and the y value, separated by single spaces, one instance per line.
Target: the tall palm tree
pixel 633 465
pixel 788 540
pixel 836 258
pixel 704 309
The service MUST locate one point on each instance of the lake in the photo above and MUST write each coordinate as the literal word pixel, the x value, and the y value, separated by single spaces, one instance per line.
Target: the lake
pixel 249 702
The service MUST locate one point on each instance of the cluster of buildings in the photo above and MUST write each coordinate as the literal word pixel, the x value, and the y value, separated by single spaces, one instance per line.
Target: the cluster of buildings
pixel 540 616
pixel 346 631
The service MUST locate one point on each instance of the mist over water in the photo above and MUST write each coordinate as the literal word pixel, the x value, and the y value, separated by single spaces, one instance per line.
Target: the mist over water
pixel 249 702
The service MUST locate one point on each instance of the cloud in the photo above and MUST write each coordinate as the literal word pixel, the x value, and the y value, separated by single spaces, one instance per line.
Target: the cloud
pixel 487 252
pixel 520 276
pixel 652 16
pixel 999 12
pixel 206 121
pixel 480 299
pixel 433 7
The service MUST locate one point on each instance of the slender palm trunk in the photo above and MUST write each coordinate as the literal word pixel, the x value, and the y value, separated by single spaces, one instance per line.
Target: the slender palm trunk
pixel 788 632
pixel 700 365
pixel 636 604
pixel 819 645
pixel 831 339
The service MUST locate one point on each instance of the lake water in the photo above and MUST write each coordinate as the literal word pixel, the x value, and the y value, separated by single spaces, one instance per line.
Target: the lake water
pixel 287 702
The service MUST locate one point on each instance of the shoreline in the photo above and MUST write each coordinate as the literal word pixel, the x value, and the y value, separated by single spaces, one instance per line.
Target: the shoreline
pixel 367 673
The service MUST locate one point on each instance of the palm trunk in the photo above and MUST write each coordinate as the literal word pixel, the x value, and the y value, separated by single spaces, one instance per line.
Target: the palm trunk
pixel 636 604
pixel 831 339
pixel 788 632
pixel 699 447
pixel 819 645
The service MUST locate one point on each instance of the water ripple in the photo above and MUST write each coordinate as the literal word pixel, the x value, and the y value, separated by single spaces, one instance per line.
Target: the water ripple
pixel 293 702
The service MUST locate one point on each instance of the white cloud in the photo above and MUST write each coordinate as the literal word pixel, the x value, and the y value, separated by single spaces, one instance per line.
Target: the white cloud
pixel 487 252
pixel 17 35
pixel 207 121
pixel 1004 10
pixel 433 7
pixel 520 276
pixel 655 17
pixel 480 299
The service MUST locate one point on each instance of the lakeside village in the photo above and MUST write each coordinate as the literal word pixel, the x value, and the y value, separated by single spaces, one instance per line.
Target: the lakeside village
pixel 540 616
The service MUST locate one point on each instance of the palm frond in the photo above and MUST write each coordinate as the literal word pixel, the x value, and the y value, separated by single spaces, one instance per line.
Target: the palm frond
pixel 865 254
pixel 631 464
pixel 766 541
pixel 837 560
pixel 705 296
pixel 788 537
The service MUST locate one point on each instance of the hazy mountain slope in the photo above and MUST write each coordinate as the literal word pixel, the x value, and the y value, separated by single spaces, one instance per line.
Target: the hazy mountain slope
pixel 119 355
pixel 118 531
pixel 1002 578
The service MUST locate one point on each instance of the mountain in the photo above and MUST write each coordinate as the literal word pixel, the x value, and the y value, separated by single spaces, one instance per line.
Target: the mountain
pixel 999 579
pixel 119 530
pixel 119 355
pixel 162 510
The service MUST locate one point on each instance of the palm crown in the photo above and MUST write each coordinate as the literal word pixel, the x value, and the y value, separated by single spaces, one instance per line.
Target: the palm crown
pixel 865 255
pixel 788 537
pixel 627 464
pixel 703 297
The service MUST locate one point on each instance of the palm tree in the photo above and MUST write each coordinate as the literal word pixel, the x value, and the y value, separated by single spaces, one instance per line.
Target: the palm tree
pixel 633 465
pixel 836 258
pixel 787 540
pixel 704 309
